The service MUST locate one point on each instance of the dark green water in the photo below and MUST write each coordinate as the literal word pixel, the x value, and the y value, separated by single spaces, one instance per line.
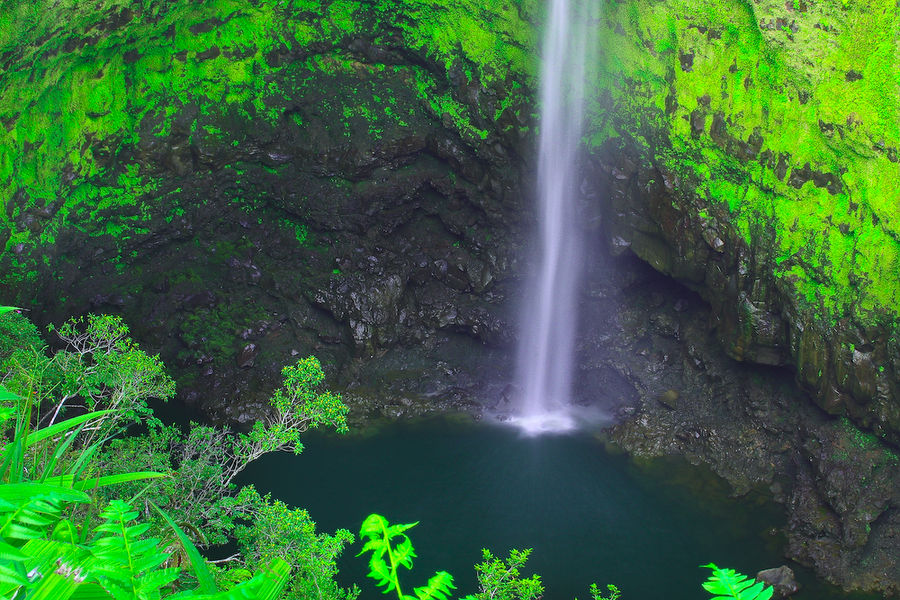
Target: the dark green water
pixel 588 515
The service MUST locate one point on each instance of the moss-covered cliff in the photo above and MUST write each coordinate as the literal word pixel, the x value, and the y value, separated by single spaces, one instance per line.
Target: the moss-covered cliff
pixel 346 167
pixel 100 97
pixel 756 149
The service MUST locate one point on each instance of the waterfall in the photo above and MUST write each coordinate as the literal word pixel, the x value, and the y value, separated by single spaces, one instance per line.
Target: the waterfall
pixel 546 348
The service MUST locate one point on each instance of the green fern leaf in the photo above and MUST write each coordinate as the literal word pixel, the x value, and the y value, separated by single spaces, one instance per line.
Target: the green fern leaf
pixel 729 584
pixel 397 529
pixel 90 591
pixel 125 564
pixel 28 509
pixel 404 553
pixel 439 587
pixel 381 573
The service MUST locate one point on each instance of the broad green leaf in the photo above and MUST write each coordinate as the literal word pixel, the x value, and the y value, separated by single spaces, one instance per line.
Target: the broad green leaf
pixel 90 591
pixel 53 586
pixel 198 563
pixel 96 482
pixel 17 493
pixel 58 428
pixel 9 552
pixel 10 579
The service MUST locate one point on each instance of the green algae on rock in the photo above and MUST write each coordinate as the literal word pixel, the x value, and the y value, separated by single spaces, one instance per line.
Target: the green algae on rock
pixel 767 134
pixel 90 86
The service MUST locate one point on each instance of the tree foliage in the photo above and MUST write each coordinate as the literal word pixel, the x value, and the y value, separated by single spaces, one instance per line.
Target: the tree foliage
pixel 67 530
pixel 500 579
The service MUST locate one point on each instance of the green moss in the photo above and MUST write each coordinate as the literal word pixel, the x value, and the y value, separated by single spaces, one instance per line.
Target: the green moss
pixel 821 103
pixel 85 81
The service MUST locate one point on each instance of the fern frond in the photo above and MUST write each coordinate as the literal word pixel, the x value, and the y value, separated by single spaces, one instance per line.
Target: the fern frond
pixel 439 587
pixel 380 534
pixel 125 564
pixel 28 510
pixel 381 573
pixel 404 553
pixel 729 584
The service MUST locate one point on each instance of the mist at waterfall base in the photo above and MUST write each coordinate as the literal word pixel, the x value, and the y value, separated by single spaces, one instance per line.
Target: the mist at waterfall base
pixel 545 353
pixel 588 515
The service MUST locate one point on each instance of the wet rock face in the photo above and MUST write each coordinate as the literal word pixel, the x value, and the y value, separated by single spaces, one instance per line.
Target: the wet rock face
pixel 330 234
pixel 764 192
pixel 238 284
pixel 844 365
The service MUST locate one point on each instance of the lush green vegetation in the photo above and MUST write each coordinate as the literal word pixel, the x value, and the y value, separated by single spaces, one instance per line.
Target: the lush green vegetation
pixel 78 521
pixel 74 516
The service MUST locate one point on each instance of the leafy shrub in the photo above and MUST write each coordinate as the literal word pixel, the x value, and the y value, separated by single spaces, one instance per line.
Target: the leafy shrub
pixel 58 467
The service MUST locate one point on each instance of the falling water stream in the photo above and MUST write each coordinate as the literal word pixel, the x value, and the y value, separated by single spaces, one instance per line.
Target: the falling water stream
pixel 548 327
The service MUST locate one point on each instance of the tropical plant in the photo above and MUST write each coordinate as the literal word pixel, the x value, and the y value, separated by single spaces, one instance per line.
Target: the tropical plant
pixel 726 584
pixel 203 463
pixel 272 529
pixel 100 371
pixel 391 549
pixel 499 579
pixel 45 555
pixel 596 594
pixel 104 379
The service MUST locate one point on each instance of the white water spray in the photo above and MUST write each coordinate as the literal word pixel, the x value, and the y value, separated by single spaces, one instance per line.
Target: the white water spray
pixel 546 348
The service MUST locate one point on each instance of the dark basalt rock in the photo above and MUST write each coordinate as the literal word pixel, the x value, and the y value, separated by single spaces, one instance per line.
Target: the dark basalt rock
pixel 782 581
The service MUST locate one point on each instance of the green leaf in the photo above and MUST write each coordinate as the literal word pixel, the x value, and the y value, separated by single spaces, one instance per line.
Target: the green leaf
pixel 29 507
pixel 439 587
pixel 105 480
pixel 729 584
pixel 9 552
pixel 90 591
pixel 125 564
pixel 264 585
pixel 10 578
pixel 65 531
pixel 60 450
pixel 201 569
pixel 58 428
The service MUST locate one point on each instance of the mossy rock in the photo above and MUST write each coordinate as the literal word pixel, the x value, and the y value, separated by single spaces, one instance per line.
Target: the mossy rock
pixel 758 141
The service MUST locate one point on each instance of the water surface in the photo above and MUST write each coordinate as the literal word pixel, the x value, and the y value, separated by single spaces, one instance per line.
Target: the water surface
pixel 589 516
